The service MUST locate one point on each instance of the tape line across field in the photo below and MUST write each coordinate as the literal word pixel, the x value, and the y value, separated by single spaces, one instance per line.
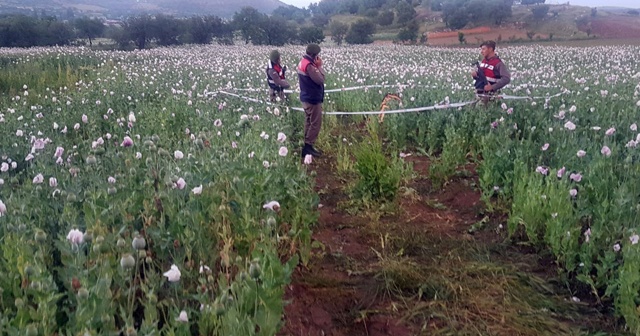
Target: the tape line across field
pixel 408 110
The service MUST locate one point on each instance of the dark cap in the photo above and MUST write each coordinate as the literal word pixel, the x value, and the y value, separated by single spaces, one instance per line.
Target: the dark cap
pixel 489 44
pixel 313 49
pixel 274 56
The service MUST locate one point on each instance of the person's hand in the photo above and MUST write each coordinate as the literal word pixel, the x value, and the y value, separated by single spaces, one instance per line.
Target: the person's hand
pixel 474 74
pixel 318 61
pixel 488 87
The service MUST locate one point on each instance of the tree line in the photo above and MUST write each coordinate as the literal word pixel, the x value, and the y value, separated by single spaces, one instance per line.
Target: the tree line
pixel 286 25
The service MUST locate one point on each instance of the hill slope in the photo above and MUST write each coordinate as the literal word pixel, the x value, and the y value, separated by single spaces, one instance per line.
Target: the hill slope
pixel 120 8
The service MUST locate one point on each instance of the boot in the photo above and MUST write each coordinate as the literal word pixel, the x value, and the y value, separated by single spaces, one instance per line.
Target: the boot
pixel 308 149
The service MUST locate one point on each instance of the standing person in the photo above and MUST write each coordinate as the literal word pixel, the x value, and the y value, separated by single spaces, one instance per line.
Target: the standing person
pixel 311 78
pixel 492 74
pixel 276 77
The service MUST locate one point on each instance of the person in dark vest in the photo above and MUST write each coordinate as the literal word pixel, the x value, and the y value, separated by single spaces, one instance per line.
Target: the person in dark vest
pixel 311 78
pixel 492 74
pixel 276 78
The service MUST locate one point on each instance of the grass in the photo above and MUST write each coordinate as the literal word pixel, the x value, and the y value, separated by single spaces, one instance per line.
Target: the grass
pixel 452 287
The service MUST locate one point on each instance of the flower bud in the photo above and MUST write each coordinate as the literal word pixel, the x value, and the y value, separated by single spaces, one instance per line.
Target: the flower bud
pixel 83 294
pixel 99 239
pixel 131 332
pixel 155 138
pixel 18 303
pixel 88 236
pixel 219 308
pixel 120 243
pixel 254 270
pixel 271 222
pixel 91 160
pixel 106 319
pixel 21 227
pixel 112 190
pixel 40 236
pixel 35 285
pixel 148 143
pixel 153 299
pixel 31 330
pixel 139 243
pixel 29 270
pixel 127 261
pixel 71 197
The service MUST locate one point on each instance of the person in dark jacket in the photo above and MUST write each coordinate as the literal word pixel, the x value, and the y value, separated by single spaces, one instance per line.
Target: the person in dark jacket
pixel 276 78
pixel 311 78
pixel 492 74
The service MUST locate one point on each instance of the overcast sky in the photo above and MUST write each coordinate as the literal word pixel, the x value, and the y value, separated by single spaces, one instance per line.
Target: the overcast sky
pixel 593 3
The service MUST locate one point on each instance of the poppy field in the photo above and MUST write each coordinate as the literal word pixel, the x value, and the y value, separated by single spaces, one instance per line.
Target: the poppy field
pixel 138 198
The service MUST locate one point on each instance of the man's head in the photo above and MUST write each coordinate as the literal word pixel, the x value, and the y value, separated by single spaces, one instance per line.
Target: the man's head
pixel 274 56
pixel 488 49
pixel 313 50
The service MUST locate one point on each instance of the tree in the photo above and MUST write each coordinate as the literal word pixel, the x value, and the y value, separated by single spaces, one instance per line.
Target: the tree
pixel 56 33
pixel 454 13
pixel 338 30
pixel 360 32
pixel 532 2
pixel 594 12
pixel 166 30
pixel 138 30
pixel 320 20
pixel 275 33
pixel 386 17
pixel 461 38
pixel 248 21
pixel 540 12
pixel 499 10
pixel 405 12
pixel 530 35
pixel 409 33
pixel 89 28
pixel 311 35
pixel 200 31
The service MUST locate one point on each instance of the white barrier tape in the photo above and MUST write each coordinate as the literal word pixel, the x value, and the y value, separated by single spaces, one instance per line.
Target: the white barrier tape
pixel 365 87
pixel 352 88
pixel 243 97
pixel 415 109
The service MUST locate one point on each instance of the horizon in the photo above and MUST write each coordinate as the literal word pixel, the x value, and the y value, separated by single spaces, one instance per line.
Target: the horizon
pixel 590 3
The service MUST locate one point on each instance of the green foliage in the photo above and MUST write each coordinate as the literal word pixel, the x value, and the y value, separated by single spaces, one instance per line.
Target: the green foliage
pixel 540 12
pixel 378 177
pixel 461 38
pixel 25 31
pixel 458 13
pixel 409 33
pixel 386 17
pixel 404 12
pixel 89 28
pixel 338 31
pixel 360 32
pixel 311 35
pixel 453 155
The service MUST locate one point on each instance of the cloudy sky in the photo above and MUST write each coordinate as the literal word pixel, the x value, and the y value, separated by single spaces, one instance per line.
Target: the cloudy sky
pixel 593 3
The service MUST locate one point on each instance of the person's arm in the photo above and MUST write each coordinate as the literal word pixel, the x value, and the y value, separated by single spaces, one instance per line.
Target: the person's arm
pixel 505 77
pixel 316 74
pixel 273 75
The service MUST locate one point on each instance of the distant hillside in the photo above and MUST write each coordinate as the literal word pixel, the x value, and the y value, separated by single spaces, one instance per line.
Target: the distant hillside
pixel 123 8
